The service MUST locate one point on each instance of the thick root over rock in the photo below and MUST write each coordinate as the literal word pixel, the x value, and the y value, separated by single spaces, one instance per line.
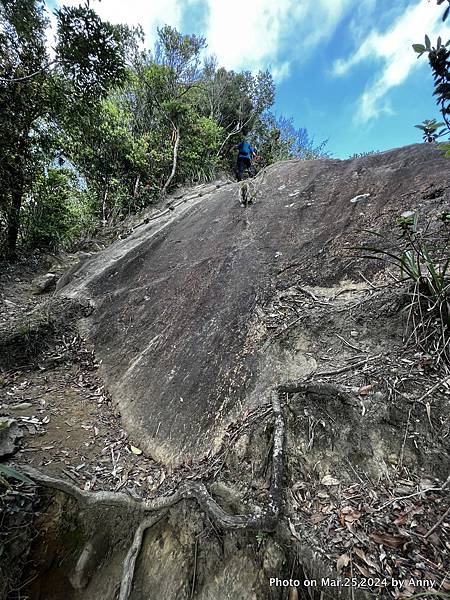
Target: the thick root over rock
pixel 153 510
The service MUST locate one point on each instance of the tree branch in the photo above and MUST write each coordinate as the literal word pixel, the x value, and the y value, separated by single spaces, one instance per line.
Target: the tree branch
pixel 264 520
pixel 234 132
pixel 26 77
pixel 174 163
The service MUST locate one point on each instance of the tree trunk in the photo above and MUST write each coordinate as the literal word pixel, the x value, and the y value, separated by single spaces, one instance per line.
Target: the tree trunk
pixel 14 218
pixel 104 206
pixel 174 163
pixel 136 186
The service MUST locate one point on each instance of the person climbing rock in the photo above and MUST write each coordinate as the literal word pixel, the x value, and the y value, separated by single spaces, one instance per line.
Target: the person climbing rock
pixel 244 159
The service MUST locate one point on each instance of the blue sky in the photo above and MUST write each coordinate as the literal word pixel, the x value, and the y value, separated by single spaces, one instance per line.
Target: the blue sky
pixel 344 69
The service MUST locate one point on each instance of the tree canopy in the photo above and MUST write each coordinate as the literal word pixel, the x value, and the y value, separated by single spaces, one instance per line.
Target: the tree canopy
pixel 101 128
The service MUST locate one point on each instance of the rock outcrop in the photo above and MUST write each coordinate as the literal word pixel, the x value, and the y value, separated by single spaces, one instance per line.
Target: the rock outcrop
pixel 178 305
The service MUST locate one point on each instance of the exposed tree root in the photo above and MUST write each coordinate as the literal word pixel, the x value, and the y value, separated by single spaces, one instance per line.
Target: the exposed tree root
pixel 131 557
pixel 264 520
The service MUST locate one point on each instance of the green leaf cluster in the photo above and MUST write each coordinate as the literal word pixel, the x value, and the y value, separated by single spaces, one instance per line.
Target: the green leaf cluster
pixel 439 60
pixel 423 259
pixel 430 129
pixel 103 128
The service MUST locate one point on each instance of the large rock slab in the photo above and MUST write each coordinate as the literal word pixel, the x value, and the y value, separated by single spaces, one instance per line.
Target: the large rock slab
pixel 175 304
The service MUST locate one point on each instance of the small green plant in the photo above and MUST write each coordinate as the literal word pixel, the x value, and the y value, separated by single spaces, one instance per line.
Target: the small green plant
pixel 261 537
pixel 24 330
pixel 430 129
pixel 423 259
pixel 362 154
pixel 439 60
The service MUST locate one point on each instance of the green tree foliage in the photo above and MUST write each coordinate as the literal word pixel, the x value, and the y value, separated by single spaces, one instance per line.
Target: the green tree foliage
pixel 102 128
pixel 91 53
pixel 23 58
pixel 277 138
pixel 236 101
pixel 180 54
pixel 439 60
pixel 54 212
pixel 35 92
pixel 430 128
pixel 110 158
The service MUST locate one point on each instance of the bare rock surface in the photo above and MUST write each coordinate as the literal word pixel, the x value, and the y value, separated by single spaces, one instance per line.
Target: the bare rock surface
pixel 188 321
pixel 10 435
pixel 177 320
pixel 45 283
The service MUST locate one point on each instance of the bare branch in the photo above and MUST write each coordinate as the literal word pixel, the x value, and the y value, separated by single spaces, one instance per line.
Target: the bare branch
pixel 27 77
pixel 237 130
pixel 174 162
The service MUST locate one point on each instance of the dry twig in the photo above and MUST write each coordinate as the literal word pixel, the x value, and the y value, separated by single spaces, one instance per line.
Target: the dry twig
pixel 436 525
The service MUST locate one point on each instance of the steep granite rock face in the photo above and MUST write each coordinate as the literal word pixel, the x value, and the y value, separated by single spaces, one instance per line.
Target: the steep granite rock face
pixel 175 320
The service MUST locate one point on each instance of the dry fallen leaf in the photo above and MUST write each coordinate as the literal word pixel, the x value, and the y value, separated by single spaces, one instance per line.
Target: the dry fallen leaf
pixel 293 531
pixel 409 590
pixel 401 520
pixel 349 514
pixel 365 390
pixel 386 539
pixel 367 559
pixel 135 450
pixel 360 553
pixel 342 562
pixel 329 480
pixel 318 518
pixel 362 570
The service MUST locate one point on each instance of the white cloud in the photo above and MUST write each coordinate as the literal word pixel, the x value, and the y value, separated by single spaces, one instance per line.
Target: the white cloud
pixel 150 14
pixel 393 49
pixel 279 34
pixel 361 14
pixel 246 34
pixel 243 35
pixel 281 71
pixel 268 33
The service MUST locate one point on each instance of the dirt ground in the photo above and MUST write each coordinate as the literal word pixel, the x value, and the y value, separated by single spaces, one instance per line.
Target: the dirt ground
pixel 63 410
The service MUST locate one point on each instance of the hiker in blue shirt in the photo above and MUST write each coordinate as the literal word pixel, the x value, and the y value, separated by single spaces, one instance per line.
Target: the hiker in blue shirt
pixel 244 159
